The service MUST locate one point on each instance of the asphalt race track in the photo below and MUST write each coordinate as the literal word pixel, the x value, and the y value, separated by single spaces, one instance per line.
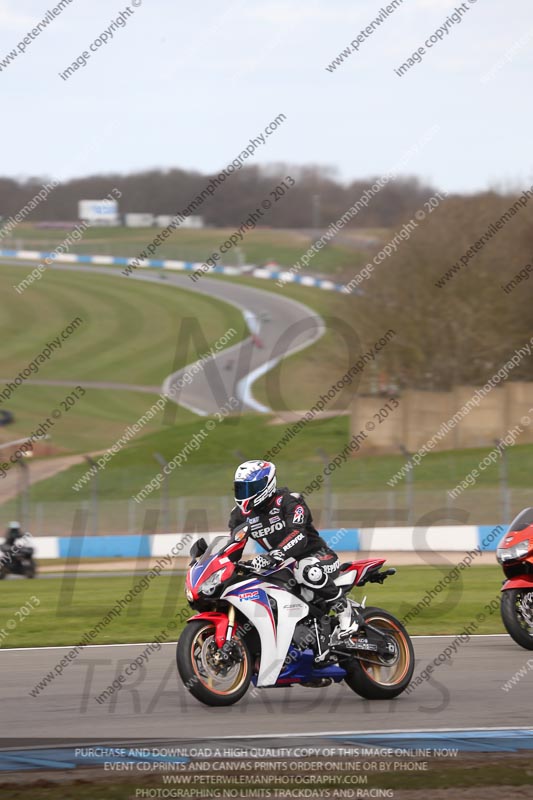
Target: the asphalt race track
pixel 465 692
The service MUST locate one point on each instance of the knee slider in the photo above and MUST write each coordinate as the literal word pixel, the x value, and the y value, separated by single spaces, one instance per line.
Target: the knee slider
pixel 314 576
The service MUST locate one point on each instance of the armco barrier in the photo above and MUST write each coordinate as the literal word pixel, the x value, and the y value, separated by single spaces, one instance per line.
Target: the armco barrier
pixel 459 538
pixel 187 266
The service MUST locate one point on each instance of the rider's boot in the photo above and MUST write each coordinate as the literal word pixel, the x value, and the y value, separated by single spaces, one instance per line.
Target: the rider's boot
pixel 349 620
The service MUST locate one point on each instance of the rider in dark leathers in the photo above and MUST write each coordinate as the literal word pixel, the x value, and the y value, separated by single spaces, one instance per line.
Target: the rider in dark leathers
pixel 281 522
pixel 13 532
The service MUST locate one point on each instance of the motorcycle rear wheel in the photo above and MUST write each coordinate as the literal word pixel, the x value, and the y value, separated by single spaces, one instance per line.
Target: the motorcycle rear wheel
pixel 381 681
pixel 516 626
pixel 201 676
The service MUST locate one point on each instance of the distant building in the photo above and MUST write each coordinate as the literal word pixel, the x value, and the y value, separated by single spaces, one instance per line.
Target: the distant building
pixel 189 222
pixel 99 212
pixel 139 220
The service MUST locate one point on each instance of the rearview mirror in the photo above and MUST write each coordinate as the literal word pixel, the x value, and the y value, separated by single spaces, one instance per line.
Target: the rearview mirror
pixel 198 548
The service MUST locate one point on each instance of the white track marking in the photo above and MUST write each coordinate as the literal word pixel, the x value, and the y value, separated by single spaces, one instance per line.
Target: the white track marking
pixel 244 386
pixel 408 731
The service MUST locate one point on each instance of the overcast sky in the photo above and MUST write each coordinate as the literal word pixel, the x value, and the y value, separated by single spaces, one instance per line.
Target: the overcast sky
pixel 188 84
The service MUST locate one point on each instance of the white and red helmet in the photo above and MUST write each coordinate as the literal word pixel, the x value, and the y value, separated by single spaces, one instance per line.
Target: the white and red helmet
pixel 255 482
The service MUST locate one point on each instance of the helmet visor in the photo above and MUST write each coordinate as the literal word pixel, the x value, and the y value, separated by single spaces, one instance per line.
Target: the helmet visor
pixel 245 489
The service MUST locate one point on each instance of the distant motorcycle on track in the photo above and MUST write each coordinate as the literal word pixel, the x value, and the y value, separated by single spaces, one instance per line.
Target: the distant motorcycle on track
pixel 17 561
pixel 515 555
pixel 255 627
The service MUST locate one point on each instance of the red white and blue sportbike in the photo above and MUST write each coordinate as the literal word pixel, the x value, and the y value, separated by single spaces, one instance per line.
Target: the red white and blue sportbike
pixel 257 628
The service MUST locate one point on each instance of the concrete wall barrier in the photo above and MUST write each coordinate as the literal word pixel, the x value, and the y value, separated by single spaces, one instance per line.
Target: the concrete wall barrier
pixel 448 420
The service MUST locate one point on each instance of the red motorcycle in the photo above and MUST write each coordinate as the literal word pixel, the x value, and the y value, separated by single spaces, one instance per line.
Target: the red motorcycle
pixel 515 554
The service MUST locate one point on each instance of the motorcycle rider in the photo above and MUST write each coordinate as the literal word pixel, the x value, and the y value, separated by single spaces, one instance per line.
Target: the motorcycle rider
pixel 9 547
pixel 281 522
pixel 13 532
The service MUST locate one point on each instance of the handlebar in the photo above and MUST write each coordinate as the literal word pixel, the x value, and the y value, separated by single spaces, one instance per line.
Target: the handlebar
pixel 246 565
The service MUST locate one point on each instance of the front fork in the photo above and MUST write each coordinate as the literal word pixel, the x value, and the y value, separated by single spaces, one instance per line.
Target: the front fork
pixel 231 624
pixel 227 651
pixel 224 624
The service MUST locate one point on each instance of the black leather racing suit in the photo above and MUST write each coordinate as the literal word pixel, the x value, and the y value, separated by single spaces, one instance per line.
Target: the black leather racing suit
pixel 12 534
pixel 285 523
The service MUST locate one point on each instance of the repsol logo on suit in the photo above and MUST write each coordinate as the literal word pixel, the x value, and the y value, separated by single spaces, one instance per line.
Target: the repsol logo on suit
pixel 294 541
pixel 268 529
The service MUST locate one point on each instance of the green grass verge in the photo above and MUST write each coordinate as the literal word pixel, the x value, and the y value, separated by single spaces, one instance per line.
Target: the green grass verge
pixel 70 607
pixel 260 246
pixel 129 332
pixel 129 335
pixel 208 471
pixel 93 424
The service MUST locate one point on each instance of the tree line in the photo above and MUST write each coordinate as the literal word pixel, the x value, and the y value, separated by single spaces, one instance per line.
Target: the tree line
pixel 458 291
pixel 317 199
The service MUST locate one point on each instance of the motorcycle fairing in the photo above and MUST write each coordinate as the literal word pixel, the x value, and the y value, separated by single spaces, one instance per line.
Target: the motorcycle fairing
pixel 204 569
pixel 301 669
pixel 220 622
pixel 357 570
pixel 252 597
pixel 518 582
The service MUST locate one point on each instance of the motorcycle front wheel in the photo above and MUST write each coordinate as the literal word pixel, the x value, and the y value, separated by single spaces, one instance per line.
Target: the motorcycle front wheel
pixel 382 678
pixel 205 676
pixel 516 608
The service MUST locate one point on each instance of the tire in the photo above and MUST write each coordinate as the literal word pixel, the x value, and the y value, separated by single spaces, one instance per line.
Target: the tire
pixel 515 624
pixel 31 570
pixel 192 645
pixel 3 573
pixel 363 676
